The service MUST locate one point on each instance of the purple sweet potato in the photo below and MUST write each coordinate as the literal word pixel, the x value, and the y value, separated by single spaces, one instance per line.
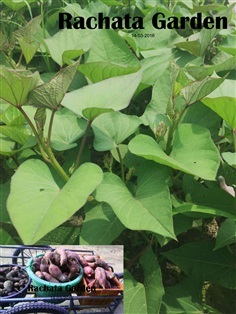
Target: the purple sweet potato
pixel 100 276
pixel 56 259
pixel 109 274
pixel 92 265
pixel 73 256
pixel 39 274
pixel 90 258
pixel 107 284
pixel 63 255
pixel 49 278
pixel 102 263
pixel 73 266
pixel 56 272
pixel 88 271
pixel 83 261
pixel 48 255
pixel 44 265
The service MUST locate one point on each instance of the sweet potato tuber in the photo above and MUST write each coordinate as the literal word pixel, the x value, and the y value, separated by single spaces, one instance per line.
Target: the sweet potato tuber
pixel 92 265
pixel 48 255
pixel 72 256
pixel 100 276
pixel 56 259
pixel 49 278
pixel 90 258
pixel 102 263
pixel 107 284
pixel 44 265
pixel 83 261
pixel 88 271
pixel 63 255
pixel 56 272
pixel 73 266
pixel 39 274
pixel 109 274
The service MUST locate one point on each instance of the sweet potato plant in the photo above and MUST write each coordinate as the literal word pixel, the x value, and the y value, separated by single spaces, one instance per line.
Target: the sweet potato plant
pixel 120 137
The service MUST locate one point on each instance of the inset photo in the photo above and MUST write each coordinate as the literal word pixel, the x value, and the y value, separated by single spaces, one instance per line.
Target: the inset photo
pixel 61 279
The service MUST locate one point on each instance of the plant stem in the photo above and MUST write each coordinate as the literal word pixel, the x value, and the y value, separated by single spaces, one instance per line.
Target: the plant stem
pixel 19 62
pixel 56 165
pixel 78 160
pixel 172 130
pixel 234 139
pixel 50 127
pixel 121 164
pixel 40 143
pixel 45 149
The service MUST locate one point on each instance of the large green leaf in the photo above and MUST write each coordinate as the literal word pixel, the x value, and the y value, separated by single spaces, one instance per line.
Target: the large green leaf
pixel 193 151
pixel 6 145
pixel 68 44
pixel 109 56
pixel 15 86
pixel 203 210
pixel 200 72
pixel 4 192
pixel 16 133
pixel 199 89
pixel 154 66
pixel 161 94
pixel 225 107
pixel 67 129
pixel 113 128
pixel 159 39
pixel 185 297
pixel 228 45
pixel 26 38
pixel 28 49
pixel 36 198
pixel 203 116
pixel 226 234
pixel 230 158
pixel 28 31
pixel 212 198
pixel 150 207
pixel 17 4
pixel 101 225
pixel 114 93
pixel 50 94
pixel 12 116
pixel 144 298
pixel 134 297
pixel 216 266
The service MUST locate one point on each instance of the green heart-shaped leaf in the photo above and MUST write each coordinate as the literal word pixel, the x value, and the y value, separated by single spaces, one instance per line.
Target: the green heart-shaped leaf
pixel 114 93
pixel 144 298
pixel 226 234
pixel 15 86
pixel 199 89
pixel 37 205
pixel 113 128
pixel 149 209
pixel 67 129
pixel 225 107
pixel 105 225
pixel 50 94
pixel 216 266
pixel 68 44
pixel 193 151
